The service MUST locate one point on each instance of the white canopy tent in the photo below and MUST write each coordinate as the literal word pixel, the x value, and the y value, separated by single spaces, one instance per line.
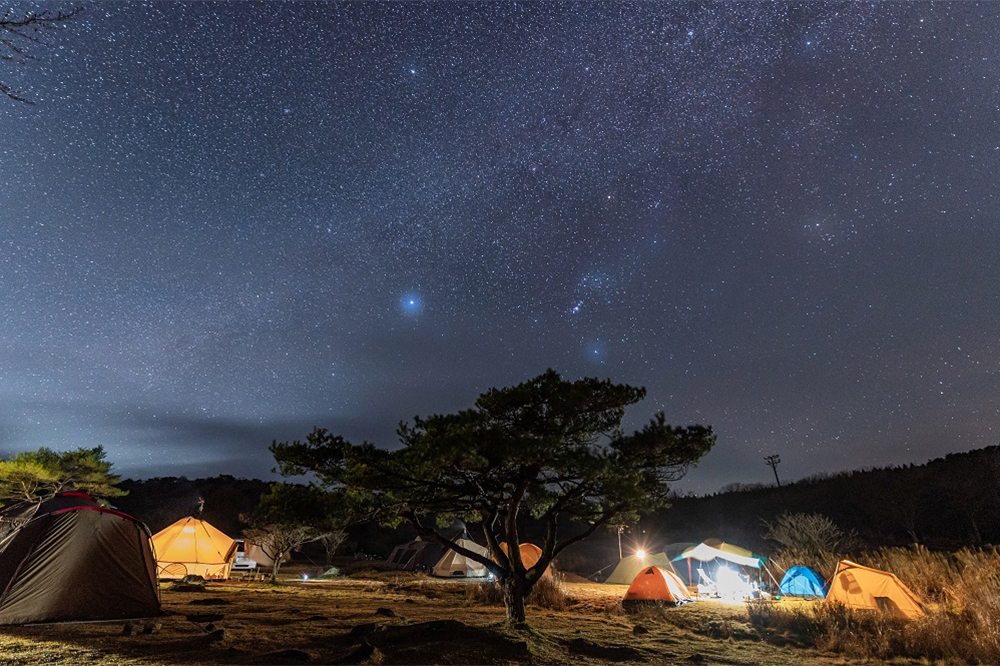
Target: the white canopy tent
pixel 705 553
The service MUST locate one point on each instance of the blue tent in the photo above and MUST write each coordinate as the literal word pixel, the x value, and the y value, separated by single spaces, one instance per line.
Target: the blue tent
pixel 803 582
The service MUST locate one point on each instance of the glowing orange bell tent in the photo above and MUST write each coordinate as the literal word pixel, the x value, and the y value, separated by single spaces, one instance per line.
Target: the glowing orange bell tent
pixel 530 554
pixel 656 586
pixel 864 588
pixel 192 547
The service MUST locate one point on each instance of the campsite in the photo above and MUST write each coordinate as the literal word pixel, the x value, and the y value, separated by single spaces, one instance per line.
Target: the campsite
pixel 302 577
pixel 685 603
pixel 276 625
pixel 499 332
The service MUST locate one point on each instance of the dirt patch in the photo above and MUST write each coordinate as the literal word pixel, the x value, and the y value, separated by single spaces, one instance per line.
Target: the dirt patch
pixel 210 601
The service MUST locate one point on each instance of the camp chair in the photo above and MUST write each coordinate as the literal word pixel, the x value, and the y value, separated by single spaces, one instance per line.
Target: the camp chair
pixel 706 586
pixel 175 570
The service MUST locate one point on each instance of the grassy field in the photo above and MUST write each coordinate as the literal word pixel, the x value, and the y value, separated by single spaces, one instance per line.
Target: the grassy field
pixel 407 619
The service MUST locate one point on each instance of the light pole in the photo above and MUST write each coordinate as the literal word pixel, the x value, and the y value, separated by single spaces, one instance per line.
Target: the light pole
pixel 772 462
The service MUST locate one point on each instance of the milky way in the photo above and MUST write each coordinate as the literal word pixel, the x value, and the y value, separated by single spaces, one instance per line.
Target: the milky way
pixel 225 223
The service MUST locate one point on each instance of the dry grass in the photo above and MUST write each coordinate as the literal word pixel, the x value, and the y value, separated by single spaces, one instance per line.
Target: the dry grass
pixel 318 618
pixel 962 625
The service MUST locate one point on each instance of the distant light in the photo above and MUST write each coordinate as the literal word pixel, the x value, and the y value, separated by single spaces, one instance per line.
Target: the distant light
pixel 305 576
pixel 641 554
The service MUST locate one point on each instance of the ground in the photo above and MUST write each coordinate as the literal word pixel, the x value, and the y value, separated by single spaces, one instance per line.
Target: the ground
pixel 402 619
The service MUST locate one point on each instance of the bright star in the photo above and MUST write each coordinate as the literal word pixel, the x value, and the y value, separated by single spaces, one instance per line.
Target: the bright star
pixel 411 304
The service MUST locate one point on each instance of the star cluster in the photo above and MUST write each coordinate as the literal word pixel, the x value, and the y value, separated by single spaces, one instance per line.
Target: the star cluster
pixel 224 223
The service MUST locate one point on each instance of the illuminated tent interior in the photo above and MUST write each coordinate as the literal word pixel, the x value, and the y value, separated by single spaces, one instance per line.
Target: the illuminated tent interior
pixel 192 547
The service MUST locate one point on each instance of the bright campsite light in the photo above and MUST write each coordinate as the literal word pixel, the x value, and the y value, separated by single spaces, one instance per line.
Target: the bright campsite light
pixel 732 586
pixel 641 554
pixel 305 576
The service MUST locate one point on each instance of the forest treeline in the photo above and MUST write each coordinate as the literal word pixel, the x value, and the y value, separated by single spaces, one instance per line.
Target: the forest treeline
pixel 946 503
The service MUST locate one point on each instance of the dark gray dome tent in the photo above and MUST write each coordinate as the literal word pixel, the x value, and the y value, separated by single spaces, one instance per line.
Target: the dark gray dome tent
pixel 68 559
pixel 416 555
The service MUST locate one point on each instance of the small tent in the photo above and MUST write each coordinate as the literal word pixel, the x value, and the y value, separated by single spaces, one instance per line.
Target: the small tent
pixel 802 582
pixel 68 559
pixel 251 551
pixel 530 554
pixel 656 586
pixel 630 566
pixel 861 587
pixel 416 555
pixel 454 565
pixel 192 547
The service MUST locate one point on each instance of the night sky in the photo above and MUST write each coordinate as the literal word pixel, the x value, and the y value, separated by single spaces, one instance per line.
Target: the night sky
pixel 225 223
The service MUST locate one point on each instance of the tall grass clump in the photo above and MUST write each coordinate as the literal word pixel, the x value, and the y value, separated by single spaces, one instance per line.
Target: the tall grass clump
pixel 961 591
pixel 549 592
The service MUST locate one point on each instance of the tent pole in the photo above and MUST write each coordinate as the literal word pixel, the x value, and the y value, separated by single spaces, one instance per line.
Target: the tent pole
pixel 689 571
pixel 777 585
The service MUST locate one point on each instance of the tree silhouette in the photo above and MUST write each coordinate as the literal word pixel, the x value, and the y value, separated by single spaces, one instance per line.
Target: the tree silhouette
pixel 20 32
pixel 548 448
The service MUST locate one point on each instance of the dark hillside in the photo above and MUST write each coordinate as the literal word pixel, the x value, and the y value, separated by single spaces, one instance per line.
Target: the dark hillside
pixel 160 501
pixel 946 503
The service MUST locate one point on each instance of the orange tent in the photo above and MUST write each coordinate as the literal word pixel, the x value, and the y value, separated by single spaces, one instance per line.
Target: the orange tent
pixel 192 547
pixel 530 554
pixel 656 585
pixel 861 587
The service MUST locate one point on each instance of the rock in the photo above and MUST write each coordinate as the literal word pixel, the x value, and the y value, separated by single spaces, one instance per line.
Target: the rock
pixel 152 627
pixel 697 658
pixel 128 629
pixel 209 601
pixel 360 654
pixel 316 618
pixel 409 601
pixel 360 630
pixel 215 636
pixel 638 630
pixel 385 612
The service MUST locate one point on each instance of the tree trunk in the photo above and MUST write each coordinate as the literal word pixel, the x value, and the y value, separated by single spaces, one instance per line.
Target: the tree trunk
pixel 275 567
pixel 514 592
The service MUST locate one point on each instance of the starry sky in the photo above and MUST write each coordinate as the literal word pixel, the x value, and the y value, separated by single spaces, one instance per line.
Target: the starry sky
pixel 225 223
